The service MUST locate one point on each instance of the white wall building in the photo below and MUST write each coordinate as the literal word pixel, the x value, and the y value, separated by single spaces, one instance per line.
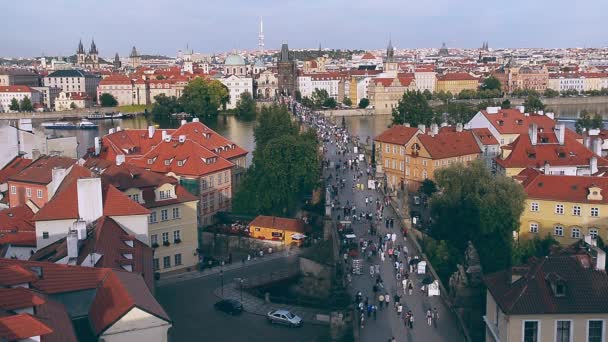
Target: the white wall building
pixel 73 81
pixel 425 80
pixel 328 81
pixel 236 86
pixel 8 93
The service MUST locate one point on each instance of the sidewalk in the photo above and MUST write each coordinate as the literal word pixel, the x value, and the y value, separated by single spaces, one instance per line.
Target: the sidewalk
pixel 258 306
pixel 179 277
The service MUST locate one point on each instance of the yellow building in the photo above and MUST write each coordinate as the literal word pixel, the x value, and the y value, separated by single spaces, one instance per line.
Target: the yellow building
pixel 385 92
pixel 456 82
pixel 566 207
pixel 410 155
pixel 289 231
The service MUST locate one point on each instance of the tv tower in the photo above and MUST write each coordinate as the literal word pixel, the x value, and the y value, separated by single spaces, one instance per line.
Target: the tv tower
pixel 261 36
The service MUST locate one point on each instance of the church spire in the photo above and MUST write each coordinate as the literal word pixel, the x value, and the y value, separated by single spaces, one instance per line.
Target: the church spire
pixel 93 49
pixel 80 48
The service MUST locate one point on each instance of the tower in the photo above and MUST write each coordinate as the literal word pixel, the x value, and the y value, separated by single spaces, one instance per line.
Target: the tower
pixel 94 54
pixel 117 63
pixel 261 36
pixel 287 72
pixel 134 58
pixel 390 65
pixel 80 55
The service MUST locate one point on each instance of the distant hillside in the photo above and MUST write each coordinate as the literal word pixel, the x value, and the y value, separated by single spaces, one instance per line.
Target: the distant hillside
pixel 333 54
pixel 146 57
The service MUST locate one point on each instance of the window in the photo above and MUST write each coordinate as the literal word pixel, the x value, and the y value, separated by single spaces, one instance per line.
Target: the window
pixel 13 189
pixel 154 239
pixel 394 164
pixel 166 262
pixel 576 210
pixel 407 160
pixel 39 193
pixel 165 237
pixel 593 233
pixel 534 228
pixel 164 215
pixel 424 174
pixel 595 212
pixel 211 181
pixel 28 192
pixel 401 166
pixel 178 259
pixel 530 331
pixel 401 150
pixel 45 235
pixel 177 235
pixel 424 162
pixel 175 213
pixel 576 233
pixel 134 197
pixel 219 178
pixel 595 331
pixel 165 194
pixel 562 331
pixel 534 206
pixel 559 209
pixel 394 149
pixel 152 217
pixel 155 264
pixel 559 231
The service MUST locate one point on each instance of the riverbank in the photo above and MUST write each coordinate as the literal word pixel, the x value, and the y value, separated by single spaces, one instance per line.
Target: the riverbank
pixel 68 114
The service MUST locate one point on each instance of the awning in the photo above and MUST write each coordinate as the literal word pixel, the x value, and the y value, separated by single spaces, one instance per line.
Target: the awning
pixel 298 236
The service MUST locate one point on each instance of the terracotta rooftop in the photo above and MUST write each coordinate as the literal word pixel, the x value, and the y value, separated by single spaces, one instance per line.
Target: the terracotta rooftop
pixel 281 223
pixel 512 121
pixel 17 227
pixel 13 167
pixel 574 189
pixel 485 136
pixel 21 327
pixel 449 144
pixel 40 171
pixel 398 134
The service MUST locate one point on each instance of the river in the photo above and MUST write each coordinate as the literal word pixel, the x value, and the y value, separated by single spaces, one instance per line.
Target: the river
pixel 241 132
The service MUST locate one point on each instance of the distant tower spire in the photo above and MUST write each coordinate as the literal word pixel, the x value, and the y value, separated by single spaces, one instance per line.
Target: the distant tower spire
pixel 261 36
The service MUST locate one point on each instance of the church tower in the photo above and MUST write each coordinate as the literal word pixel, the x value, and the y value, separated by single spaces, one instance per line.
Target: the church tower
pixel 94 54
pixel 390 65
pixel 135 58
pixel 117 63
pixel 80 55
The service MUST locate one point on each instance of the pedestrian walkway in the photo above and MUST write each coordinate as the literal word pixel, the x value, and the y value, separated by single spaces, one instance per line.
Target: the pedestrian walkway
pixel 258 306
pixel 179 277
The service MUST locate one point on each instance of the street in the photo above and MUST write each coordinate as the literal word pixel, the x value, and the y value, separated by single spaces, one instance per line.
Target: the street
pixel 189 303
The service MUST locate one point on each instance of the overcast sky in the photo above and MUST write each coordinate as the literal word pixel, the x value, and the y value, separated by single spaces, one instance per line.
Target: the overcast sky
pixel 33 27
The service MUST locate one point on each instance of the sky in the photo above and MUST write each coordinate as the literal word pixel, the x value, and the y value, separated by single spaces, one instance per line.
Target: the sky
pixel 36 27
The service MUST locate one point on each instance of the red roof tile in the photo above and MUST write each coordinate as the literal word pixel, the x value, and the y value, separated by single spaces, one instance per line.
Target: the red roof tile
pixel 573 189
pixel 398 135
pixel 449 144
pixel 115 79
pixel 13 167
pixel 17 227
pixel 485 136
pixel 40 171
pixel 512 121
pixel 19 298
pixel 281 223
pixel 16 89
pixel 22 326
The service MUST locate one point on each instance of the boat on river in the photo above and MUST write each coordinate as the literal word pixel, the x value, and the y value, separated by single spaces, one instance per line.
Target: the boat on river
pixel 84 124
pixel 104 116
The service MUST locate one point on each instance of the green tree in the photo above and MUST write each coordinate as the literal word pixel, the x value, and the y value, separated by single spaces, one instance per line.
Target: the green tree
pixel 73 105
pixel 363 103
pixel 505 104
pixel 245 107
pixel 319 96
pixel 533 104
pixel 107 100
pixel 273 122
pixel 474 205
pixel 330 102
pixel 160 77
pixel 491 83
pixel 307 102
pixel 204 98
pixel 298 95
pixel 427 94
pixel 537 247
pixel 550 93
pixel 14 106
pixel 428 187
pixel 165 105
pixel 467 94
pixel 587 122
pixel 457 112
pixel 414 109
pixel 347 102
pixel 26 105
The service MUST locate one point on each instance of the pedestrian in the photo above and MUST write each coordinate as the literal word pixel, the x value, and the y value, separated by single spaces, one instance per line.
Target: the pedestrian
pixel 410 288
pixel 429 317
pixel 374 311
pixel 371 270
pixel 387 299
pixel 381 301
pixel 411 320
pixel 377 268
pixel 435 316
pixel 399 309
pixel 404 283
pixel 362 320
pixel 369 310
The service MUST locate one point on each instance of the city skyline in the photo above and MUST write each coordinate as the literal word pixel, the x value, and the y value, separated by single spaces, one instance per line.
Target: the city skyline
pixel 117 26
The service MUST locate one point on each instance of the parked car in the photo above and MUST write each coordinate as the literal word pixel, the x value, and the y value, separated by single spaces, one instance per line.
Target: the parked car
pixel 284 317
pixel 230 306
pixel 417 200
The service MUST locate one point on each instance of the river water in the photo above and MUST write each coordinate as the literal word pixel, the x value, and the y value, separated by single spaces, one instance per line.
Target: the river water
pixel 241 132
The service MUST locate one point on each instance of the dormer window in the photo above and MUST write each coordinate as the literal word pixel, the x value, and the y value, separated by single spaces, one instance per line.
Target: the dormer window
pixel 557 283
pixel 168 161
pixel 164 194
pixel 181 162
pixel 150 161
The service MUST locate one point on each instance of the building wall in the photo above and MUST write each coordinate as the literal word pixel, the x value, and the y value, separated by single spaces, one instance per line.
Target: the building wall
pixel 236 86
pixel 122 92
pixel 187 226
pixel 20 193
pixel 547 326
pixel 546 218
pixel 137 325
pixel 136 225
pixel 7 97
pixel 56 229
pixel 456 86
pixel 74 84
pixel 272 234
pixel 214 196
pixel 426 81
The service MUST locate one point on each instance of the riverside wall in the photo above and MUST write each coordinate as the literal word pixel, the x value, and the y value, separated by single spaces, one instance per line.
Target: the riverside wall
pixel 68 114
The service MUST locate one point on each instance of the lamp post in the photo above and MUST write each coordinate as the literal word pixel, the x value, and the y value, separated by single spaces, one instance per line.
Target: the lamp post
pixel 222 282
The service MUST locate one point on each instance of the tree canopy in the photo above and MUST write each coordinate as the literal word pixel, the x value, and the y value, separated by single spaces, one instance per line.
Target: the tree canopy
pixel 245 107
pixel 203 98
pixel 107 100
pixel 274 121
pixel 26 105
pixel 491 83
pixel 474 205
pixel 414 109
pixel 347 101
pixel 533 104
pixel 14 105
pixel 587 122
pixel 363 103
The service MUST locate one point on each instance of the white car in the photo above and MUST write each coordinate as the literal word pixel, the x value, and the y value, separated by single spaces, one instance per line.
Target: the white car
pixel 284 317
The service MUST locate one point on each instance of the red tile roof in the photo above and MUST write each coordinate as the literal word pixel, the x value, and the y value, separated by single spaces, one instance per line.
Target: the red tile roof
pixel 19 298
pixel 386 82
pixel 280 223
pixel 17 227
pixel 115 79
pixel 449 144
pixel 11 275
pixel 368 55
pixel 13 167
pixel 22 326
pixel 512 121
pixel 485 136
pixel 398 135
pixel 573 189
pixel 54 314
pixel 40 171
pixel 16 89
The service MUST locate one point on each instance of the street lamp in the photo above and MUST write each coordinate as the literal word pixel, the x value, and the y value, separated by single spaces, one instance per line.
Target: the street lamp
pixel 222 282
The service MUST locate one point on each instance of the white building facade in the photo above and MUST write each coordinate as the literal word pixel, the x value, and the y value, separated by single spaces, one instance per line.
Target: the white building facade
pixel 236 86
pixel 8 93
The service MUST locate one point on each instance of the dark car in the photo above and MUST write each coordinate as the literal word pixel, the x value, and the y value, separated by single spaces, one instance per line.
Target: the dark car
pixel 230 306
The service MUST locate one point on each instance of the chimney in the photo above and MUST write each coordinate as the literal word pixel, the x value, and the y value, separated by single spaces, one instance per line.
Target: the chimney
pixel 57 176
pixel 521 109
pixel 182 138
pixel 550 115
pixel 597 146
pixel 459 127
pixel 593 165
pixel 561 133
pixel 540 112
pixel 587 141
pixel 434 130
pixel 407 124
pixel 168 138
pixel 80 227
pixel 547 169
pixel 533 132
pixel 90 200
pixel 593 132
pixel 118 129
pixel 164 134
pixel 195 120
pixel 151 130
pixel 97 146
pixel 72 242
pixel 422 128
pixel 120 159
pixel 492 110
pixel 183 122
pixel 111 131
